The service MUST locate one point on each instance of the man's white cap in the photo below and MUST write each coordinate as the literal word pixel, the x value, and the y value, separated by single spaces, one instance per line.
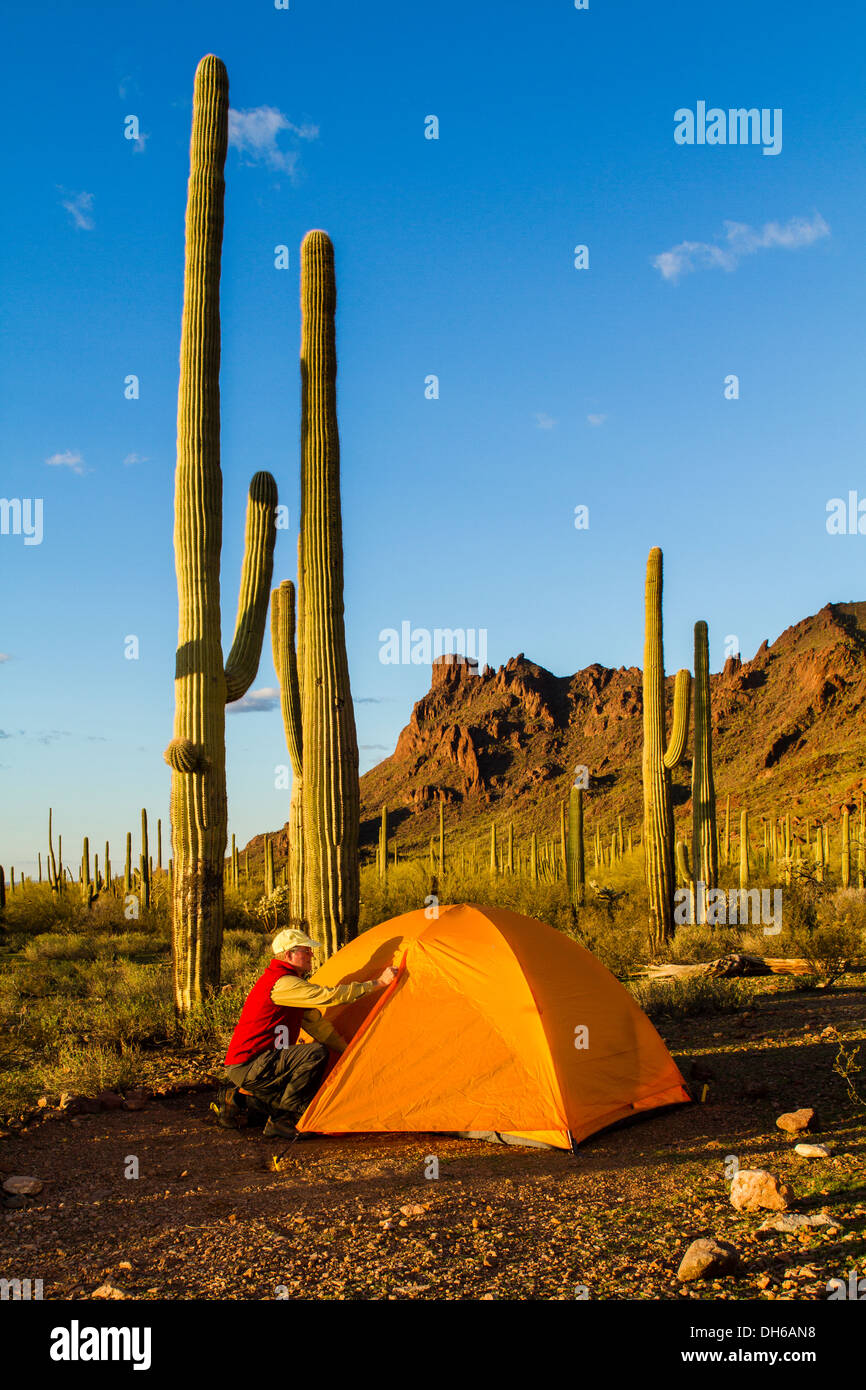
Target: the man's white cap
pixel 289 938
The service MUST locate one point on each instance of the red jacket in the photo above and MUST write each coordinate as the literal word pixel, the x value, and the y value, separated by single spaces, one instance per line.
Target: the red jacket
pixel 261 1017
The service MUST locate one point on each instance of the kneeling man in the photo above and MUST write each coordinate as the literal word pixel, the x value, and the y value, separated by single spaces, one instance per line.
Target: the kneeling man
pixel 265 1061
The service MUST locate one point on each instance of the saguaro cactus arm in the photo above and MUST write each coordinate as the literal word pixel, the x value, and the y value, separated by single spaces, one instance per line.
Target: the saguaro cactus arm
pixel 286 666
pixel 676 745
pixel 258 565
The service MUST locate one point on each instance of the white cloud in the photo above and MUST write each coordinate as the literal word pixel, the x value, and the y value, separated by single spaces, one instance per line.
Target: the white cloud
pixel 739 240
pixel 68 459
pixel 543 421
pixel 4 656
pixel 255 134
pixel 79 206
pixel 134 458
pixel 596 420
pixel 254 701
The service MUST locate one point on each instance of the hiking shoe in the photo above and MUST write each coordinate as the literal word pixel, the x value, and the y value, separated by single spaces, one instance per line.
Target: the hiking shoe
pixel 282 1129
pixel 231 1111
pixel 256 1113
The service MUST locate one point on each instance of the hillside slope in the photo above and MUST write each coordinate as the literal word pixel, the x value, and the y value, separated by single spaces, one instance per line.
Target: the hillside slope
pixel 789 735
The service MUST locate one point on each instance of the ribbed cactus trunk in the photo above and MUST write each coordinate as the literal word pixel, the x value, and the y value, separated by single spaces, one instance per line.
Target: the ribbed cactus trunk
pixel 203 682
pixel 383 844
pixel 575 861
pixel 441 837
pixel 331 800
pixel 704 841
pixel 819 854
pixel 144 863
pixel 658 759
pixel 846 849
pixel 270 880
pixel 744 849
pixel 285 653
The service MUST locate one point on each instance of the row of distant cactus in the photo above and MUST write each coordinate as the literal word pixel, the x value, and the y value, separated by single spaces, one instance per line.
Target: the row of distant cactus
pixel 787 846
pixel 91 884
pixel 539 859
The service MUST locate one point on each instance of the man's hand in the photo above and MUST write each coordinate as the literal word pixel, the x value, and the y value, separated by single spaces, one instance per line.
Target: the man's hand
pixel 387 975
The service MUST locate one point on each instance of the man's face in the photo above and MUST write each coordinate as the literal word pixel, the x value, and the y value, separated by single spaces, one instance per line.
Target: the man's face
pixel 301 957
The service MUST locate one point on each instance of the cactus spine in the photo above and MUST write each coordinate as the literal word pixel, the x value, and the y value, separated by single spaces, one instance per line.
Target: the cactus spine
pixel 658 759
pixel 331 797
pixel 203 681
pixel 575 862
pixel 704 843
pixel 286 665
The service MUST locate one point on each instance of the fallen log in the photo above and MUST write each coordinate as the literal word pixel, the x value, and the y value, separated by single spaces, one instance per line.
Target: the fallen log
pixel 738 966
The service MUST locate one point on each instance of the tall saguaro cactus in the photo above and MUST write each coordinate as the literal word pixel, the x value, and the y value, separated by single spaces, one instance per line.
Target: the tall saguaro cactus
pixel 286 666
pixel 704 841
pixel 331 797
pixel 575 855
pixel 659 758
pixel 203 681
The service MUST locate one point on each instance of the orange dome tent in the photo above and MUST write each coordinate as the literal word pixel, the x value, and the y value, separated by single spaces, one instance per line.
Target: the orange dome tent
pixel 495 1023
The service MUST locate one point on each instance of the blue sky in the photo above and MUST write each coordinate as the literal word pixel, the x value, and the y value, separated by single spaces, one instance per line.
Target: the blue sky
pixel 558 387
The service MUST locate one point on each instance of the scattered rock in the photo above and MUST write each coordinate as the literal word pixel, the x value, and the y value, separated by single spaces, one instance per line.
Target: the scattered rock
pixel 812 1150
pixel 108 1290
pixel 79 1105
pixel 792 1221
pixel 708 1259
pixel 754 1189
pixel 795 1121
pixel 18 1186
pixel 756 1090
pixel 412 1210
pixel 110 1100
pixel 42 1102
pixel 700 1071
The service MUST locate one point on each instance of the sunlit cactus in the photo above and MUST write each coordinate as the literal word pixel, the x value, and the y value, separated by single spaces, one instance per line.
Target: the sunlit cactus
pixel 204 681
pixel 575 859
pixel 285 643
pixel 744 849
pixel 659 758
pixel 331 796
pixel 704 842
